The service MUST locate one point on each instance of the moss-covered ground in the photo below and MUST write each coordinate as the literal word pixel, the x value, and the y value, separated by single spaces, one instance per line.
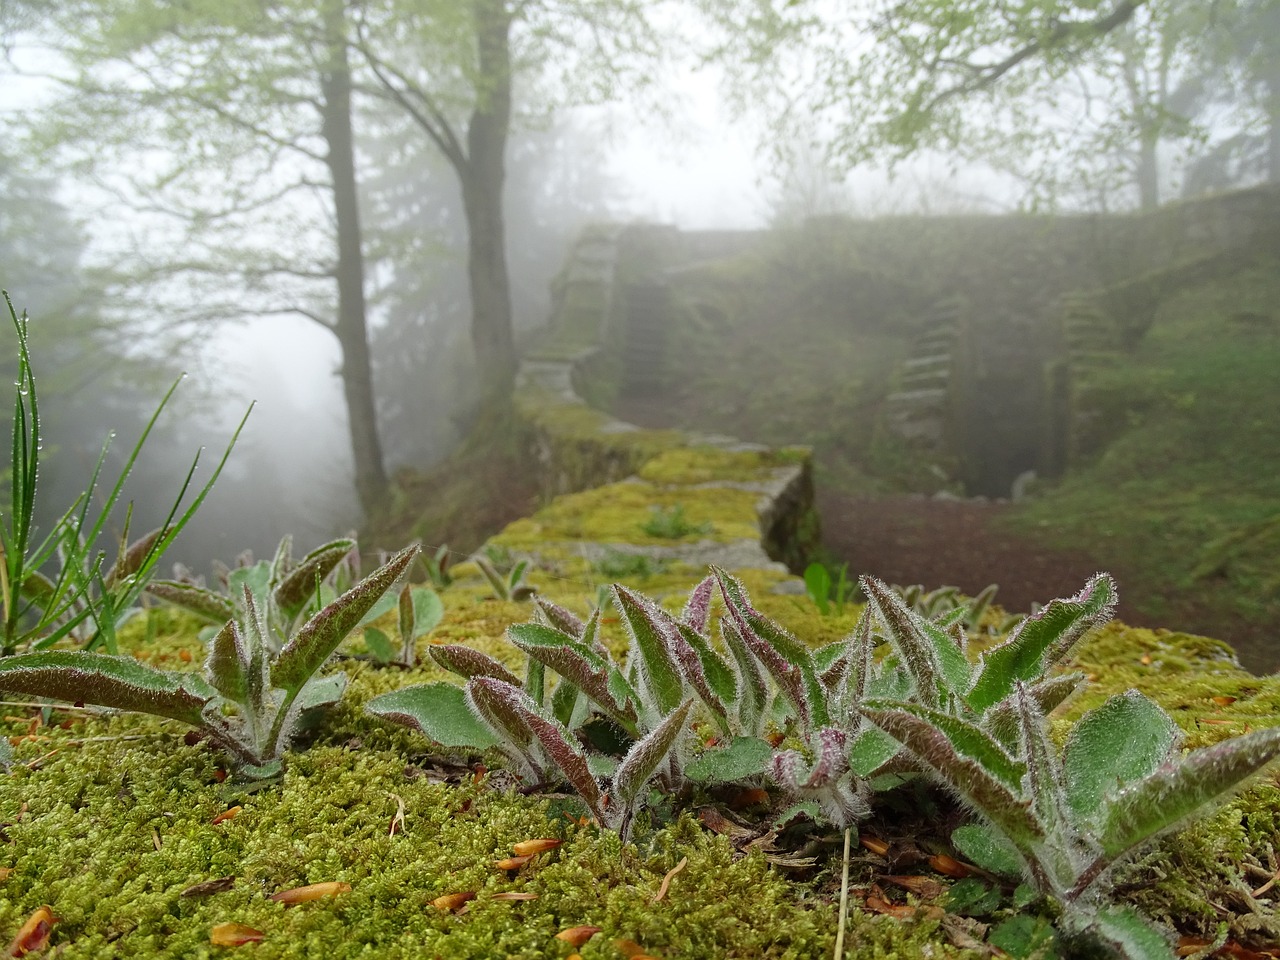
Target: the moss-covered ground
pixel 113 820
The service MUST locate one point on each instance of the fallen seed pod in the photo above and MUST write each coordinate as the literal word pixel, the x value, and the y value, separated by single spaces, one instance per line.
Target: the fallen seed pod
pixel 312 891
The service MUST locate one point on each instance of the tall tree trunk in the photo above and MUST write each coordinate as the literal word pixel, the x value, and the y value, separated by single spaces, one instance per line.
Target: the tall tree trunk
pixel 482 185
pixel 352 327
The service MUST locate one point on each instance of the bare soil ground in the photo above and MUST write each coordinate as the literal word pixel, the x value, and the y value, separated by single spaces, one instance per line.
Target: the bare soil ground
pixel 956 543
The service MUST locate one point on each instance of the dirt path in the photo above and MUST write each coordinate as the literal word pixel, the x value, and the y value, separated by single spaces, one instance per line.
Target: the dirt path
pixel 909 540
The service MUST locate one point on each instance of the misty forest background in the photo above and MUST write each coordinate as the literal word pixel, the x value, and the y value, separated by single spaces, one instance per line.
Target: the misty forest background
pixel 352 210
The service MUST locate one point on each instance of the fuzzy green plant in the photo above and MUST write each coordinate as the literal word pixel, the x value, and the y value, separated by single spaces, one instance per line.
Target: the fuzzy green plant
pixel 1061 820
pixel 251 699
pixel 59 585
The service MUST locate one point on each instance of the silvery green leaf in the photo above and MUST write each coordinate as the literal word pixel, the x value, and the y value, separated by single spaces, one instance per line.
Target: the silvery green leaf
pixel 1041 641
pixel 651 627
pixel 646 755
pixel 315 642
pixel 1191 786
pixel 439 711
pixel 294 591
pixel 581 666
pixel 743 757
pixel 468 662
pixel 1131 935
pixel 121 683
pixel 988 848
pixel 1124 740
pixel 204 603
pixel 1044 775
pixel 720 677
pixel 560 747
pixel 697 610
pixel 257 577
pixel 564 702
pixel 1001 721
pixel 870 750
pixel 322 692
pixel 965 758
pixel 930 654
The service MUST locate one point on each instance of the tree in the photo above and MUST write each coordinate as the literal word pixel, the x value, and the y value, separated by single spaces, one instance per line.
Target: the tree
pixel 226 129
pixel 882 82
pixel 455 70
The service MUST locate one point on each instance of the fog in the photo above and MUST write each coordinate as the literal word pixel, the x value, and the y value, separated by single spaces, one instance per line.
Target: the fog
pixel 159 217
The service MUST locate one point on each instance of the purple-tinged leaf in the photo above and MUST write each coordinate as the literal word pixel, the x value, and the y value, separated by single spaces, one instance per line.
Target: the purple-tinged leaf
pixel 228 663
pixel 1191 786
pixel 439 711
pixel 561 618
pixel 966 759
pixel 509 712
pixel 315 642
pixel 204 603
pixel 1124 740
pixel 467 662
pixel 697 610
pixel 495 703
pixel 256 667
pixel 1041 641
pixel 831 756
pixel 130 561
pixel 646 755
pixel 121 683
pixel 692 664
pixel 789 663
pixel 936 663
pixel 754 698
pixel 296 589
pixel 651 630
pixel 851 689
pixel 580 665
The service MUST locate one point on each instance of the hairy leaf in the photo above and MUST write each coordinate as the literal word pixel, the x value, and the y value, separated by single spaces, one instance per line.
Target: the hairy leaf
pixel 1189 787
pixel 578 664
pixel 697 610
pixel 936 663
pixel 651 629
pixel 131 559
pixel 1041 641
pixel 646 755
pixel 988 848
pixel 494 702
pixel 1124 740
pixel 293 593
pixel 468 662
pixel 438 710
pixel 1131 935
pixel 966 759
pixel 743 757
pixel 561 618
pixel 754 697
pixel 1001 721
pixel 790 664
pixel 870 750
pixel 228 663
pixel 315 642
pixel 121 683
pixel 204 603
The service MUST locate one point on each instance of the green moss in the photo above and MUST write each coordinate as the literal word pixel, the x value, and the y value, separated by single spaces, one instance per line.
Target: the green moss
pixel 689 465
pixel 617 512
